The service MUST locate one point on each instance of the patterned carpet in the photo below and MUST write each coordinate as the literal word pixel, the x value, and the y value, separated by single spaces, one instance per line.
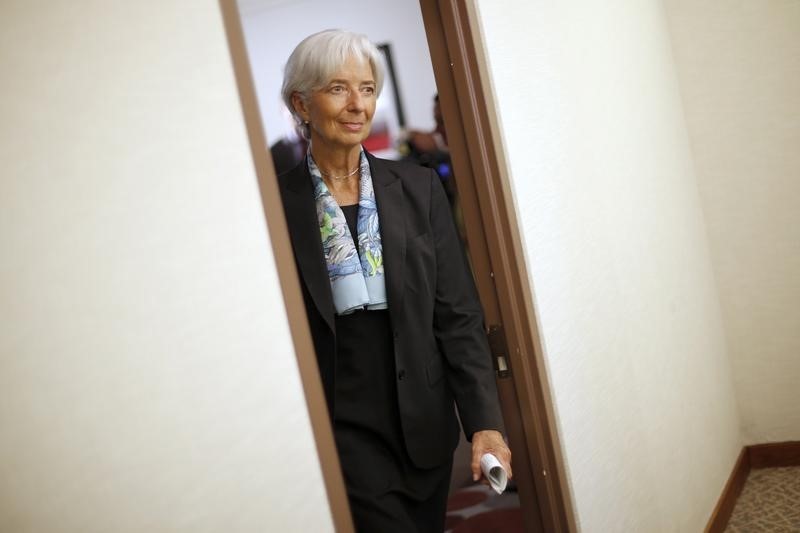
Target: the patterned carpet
pixel 769 503
pixel 478 509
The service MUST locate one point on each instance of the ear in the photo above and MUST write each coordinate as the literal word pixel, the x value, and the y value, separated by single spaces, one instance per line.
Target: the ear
pixel 300 106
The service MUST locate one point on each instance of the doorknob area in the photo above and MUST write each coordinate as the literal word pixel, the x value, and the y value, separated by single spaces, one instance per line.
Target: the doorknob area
pixel 499 349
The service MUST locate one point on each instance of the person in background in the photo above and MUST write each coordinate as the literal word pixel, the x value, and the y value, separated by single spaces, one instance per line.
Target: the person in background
pixel 288 151
pixel 393 311
pixel 286 154
pixel 429 149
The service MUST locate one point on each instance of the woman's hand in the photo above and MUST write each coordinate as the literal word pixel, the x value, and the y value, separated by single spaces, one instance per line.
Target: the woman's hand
pixel 489 441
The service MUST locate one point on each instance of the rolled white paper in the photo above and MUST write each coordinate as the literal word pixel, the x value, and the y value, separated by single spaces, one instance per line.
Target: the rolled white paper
pixel 494 472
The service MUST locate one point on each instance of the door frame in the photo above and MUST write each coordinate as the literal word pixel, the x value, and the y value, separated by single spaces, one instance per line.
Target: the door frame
pixel 287 271
pixel 495 249
pixel 468 106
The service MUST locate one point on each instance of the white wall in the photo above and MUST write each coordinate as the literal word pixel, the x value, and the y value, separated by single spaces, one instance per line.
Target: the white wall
pixel 617 252
pixel 147 375
pixel 274 27
pixel 739 66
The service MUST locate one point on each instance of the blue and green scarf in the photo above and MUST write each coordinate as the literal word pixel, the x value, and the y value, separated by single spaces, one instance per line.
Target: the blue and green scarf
pixel 357 278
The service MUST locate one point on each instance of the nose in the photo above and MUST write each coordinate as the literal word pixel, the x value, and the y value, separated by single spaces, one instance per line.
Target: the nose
pixel 356 101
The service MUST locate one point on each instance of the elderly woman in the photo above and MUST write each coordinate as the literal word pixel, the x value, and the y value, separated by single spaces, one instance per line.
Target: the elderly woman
pixel 393 311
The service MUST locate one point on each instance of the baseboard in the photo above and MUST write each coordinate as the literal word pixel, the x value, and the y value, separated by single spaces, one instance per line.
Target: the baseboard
pixel 774 454
pixel 770 455
pixel 727 501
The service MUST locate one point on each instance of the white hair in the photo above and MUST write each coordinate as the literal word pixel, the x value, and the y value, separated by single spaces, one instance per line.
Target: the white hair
pixel 316 59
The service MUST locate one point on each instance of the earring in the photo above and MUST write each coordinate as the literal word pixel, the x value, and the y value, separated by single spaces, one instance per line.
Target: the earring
pixel 305 122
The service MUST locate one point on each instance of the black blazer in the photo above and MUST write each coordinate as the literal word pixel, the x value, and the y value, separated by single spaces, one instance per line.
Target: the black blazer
pixel 441 351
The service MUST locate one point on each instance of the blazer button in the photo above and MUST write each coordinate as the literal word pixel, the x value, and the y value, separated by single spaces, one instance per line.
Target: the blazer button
pixel 401 375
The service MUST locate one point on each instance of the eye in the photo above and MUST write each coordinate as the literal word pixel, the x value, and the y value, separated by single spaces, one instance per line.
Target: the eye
pixel 337 89
pixel 368 90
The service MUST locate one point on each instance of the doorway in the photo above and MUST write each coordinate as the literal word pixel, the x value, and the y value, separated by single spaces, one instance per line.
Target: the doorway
pixel 459 77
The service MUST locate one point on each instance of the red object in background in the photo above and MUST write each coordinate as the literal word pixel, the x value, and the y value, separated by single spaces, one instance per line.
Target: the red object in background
pixel 378 141
pixel 379 138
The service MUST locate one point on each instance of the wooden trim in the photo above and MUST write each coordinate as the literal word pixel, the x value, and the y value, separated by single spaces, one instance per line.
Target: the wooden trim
pixel 771 455
pixel 287 273
pixel 481 172
pixel 774 454
pixel 516 302
pixel 730 493
pixel 478 249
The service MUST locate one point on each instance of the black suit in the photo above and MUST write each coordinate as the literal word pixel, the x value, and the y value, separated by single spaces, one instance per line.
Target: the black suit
pixel 440 346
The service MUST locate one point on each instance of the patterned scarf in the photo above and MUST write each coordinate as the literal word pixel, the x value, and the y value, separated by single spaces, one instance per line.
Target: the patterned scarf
pixel 356 276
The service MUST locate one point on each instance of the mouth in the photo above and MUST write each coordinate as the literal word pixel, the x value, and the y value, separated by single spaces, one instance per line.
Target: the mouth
pixel 352 126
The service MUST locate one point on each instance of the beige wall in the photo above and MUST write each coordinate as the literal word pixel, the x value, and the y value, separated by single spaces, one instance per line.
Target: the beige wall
pixel 147 375
pixel 739 67
pixel 619 261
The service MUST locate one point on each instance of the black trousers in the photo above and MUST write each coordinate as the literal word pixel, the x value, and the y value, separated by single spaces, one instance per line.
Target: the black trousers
pixel 387 492
pixel 395 512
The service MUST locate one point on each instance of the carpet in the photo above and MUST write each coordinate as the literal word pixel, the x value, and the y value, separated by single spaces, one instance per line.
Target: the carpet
pixel 478 509
pixel 769 502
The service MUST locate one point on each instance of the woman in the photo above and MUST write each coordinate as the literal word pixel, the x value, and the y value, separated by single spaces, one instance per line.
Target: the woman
pixel 393 311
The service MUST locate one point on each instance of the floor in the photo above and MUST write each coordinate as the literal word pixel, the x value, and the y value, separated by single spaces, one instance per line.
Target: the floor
pixel 478 509
pixel 769 502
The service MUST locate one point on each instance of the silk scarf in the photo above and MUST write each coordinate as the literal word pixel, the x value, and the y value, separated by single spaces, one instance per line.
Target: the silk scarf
pixel 355 266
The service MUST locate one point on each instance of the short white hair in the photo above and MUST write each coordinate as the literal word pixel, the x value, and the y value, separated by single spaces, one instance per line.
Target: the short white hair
pixel 318 56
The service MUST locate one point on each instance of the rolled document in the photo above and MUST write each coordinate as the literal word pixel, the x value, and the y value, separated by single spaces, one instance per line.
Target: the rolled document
pixel 494 472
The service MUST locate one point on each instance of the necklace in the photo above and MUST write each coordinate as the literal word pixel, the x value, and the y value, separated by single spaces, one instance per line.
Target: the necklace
pixel 340 178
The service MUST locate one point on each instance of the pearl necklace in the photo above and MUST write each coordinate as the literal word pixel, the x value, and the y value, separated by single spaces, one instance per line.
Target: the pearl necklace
pixel 340 178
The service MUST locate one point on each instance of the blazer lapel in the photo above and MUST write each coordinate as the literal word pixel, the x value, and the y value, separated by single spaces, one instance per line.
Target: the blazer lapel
pixel 389 197
pixel 301 216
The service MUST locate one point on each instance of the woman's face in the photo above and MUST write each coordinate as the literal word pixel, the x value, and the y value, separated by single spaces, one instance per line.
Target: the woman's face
pixel 340 113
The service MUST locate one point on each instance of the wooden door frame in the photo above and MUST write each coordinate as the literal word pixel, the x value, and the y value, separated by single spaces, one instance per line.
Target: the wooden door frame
pixel 287 272
pixel 467 103
pixel 480 169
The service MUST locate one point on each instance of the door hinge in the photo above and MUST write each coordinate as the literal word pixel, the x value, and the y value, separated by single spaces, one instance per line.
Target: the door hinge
pixel 499 349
